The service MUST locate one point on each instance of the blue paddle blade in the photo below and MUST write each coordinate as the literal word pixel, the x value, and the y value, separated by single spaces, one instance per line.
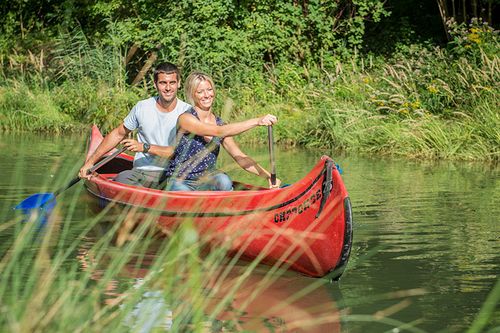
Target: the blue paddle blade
pixel 45 201
pixel 38 206
pixel 339 168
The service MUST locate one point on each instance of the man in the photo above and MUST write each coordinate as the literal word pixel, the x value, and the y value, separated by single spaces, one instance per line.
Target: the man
pixel 155 119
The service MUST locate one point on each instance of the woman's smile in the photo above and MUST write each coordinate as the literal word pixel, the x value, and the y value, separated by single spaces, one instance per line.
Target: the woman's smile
pixel 204 95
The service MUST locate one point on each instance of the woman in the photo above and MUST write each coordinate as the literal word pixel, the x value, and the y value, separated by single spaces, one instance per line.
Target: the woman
pixel 200 135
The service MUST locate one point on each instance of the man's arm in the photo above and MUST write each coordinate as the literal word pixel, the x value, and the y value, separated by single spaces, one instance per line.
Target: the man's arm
pixel 109 142
pixel 138 147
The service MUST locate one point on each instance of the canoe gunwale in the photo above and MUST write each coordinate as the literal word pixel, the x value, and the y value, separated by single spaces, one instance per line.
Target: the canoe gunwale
pixel 220 214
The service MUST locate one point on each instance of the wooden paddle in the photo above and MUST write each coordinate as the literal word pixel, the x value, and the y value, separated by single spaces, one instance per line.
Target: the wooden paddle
pixel 271 154
pixel 42 200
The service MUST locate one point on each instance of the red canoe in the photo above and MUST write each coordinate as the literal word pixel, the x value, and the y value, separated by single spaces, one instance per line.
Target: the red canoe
pixel 305 227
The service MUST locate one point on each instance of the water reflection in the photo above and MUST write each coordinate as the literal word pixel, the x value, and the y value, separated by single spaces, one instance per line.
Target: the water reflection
pixel 436 228
pixel 235 298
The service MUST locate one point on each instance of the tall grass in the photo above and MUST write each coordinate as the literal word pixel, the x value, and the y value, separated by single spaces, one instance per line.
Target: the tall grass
pixel 54 279
pixel 26 108
pixel 72 85
pixel 424 101
pixel 53 283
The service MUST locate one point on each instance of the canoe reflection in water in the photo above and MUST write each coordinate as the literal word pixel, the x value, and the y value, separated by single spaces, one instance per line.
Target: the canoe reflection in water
pixel 234 299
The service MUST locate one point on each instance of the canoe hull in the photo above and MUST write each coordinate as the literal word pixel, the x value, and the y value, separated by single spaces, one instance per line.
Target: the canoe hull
pixel 305 227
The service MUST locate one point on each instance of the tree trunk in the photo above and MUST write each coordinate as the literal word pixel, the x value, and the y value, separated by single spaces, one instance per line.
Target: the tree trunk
pixel 490 10
pixel 443 11
pixel 474 9
pixel 147 65
pixel 133 49
pixel 464 11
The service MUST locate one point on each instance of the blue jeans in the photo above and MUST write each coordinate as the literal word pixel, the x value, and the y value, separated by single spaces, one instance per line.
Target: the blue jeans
pixel 214 182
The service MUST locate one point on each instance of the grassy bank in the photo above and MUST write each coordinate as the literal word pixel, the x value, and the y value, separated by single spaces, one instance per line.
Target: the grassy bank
pixel 421 102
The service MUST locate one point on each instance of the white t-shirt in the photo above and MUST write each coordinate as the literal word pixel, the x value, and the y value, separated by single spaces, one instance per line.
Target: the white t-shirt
pixel 154 127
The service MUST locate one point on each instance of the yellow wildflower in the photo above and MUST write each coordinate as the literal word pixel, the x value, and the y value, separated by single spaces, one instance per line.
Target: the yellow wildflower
pixel 474 37
pixel 432 89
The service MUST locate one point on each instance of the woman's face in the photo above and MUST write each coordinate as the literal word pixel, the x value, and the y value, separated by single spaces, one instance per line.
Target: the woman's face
pixel 204 95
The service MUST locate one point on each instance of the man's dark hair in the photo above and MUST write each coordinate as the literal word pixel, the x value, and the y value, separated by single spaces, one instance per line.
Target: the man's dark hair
pixel 166 68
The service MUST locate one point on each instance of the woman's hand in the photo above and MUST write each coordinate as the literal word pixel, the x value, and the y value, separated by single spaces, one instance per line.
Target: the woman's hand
pixel 277 185
pixel 267 120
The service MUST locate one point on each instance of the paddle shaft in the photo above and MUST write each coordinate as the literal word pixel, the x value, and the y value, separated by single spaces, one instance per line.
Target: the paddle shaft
pixel 271 154
pixel 94 168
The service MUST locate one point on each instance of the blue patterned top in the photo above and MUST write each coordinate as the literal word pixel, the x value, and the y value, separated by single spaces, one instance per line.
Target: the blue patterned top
pixel 193 155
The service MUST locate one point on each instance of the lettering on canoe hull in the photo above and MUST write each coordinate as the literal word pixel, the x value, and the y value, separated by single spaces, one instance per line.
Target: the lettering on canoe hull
pixel 286 214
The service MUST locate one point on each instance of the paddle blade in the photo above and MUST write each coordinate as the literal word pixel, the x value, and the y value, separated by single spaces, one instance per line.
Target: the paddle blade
pixel 37 207
pixel 45 201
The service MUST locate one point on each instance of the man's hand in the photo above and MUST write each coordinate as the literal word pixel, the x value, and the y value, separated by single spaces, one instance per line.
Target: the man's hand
pixel 133 145
pixel 84 171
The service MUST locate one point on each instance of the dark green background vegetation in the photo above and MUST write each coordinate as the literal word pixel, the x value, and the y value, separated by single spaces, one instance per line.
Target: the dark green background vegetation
pixel 409 78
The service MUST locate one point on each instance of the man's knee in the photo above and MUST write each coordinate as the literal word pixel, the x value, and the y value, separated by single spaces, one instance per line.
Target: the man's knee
pixel 127 177
pixel 131 177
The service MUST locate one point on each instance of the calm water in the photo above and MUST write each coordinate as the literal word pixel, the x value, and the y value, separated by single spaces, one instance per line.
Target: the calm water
pixel 427 235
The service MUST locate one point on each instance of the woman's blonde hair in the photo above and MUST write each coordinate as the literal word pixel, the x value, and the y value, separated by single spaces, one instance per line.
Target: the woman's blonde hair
pixel 193 81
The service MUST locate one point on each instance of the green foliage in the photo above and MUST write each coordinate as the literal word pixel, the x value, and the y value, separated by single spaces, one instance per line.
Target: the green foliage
pixel 268 57
pixel 25 108
pixel 75 58
pixel 26 24
pixel 432 80
pixel 76 82
pixel 473 40
pixel 88 102
pixel 219 34
pixel 409 22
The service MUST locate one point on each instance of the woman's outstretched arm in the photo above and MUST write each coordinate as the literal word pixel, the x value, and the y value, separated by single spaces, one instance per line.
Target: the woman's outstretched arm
pixel 246 162
pixel 191 124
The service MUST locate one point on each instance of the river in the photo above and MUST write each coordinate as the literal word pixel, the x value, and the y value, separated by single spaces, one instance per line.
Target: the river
pixel 426 247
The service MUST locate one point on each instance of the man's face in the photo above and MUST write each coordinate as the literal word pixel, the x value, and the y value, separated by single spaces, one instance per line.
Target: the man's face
pixel 167 86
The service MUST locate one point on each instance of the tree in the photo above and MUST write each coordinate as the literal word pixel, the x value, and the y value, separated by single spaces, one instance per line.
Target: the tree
pixel 463 11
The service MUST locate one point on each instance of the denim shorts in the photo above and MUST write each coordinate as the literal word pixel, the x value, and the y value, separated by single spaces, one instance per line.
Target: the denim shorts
pixel 217 181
